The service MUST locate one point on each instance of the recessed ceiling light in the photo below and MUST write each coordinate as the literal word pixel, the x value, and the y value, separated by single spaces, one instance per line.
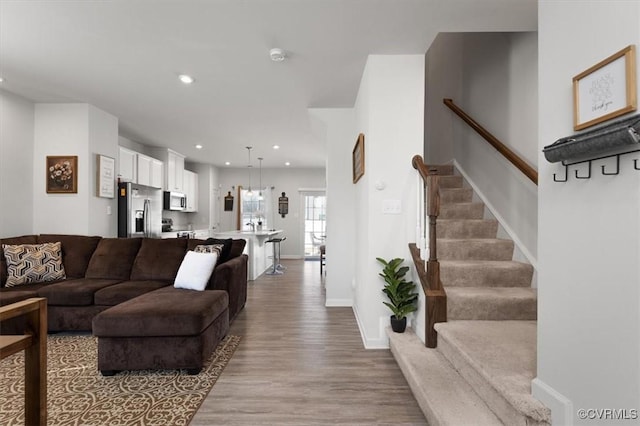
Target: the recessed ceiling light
pixel 276 147
pixel 186 79
pixel 198 146
pixel 227 163
pixel 1 79
pixel 287 163
pixel 277 54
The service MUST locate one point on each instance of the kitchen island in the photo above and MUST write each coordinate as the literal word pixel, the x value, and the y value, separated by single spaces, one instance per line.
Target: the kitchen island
pixel 257 249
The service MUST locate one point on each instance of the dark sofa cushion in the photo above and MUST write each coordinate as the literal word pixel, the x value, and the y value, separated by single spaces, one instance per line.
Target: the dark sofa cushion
pixel 76 251
pixel 237 247
pixel 166 312
pixel 113 258
pixel 9 297
pixel 159 259
pixel 124 291
pixel 226 247
pixel 78 292
pixel 25 239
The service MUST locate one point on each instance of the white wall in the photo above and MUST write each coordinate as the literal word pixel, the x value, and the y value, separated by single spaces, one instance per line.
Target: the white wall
pixel 336 130
pixel 497 86
pixel 288 180
pixel 443 79
pixel 103 140
pixel 73 129
pixel 390 112
pixel 589 231
pixel 16 165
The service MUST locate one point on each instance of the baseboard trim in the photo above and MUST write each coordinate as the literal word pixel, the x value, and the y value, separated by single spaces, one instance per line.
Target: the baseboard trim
pixel 526 253
pixel 337 303
pixel 379 343
pixel 561 407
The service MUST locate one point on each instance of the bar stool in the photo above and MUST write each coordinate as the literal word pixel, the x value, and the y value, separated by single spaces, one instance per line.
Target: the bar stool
pixel 280 266
pixel 323 258
pixel 276 256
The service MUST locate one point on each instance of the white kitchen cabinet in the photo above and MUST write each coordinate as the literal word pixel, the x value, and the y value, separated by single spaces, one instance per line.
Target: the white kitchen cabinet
pixel 149 171
pixel 144 170
pixel 190 180
pixel 173 179
pixel 127 165
pixel 175 172
pixel 156 173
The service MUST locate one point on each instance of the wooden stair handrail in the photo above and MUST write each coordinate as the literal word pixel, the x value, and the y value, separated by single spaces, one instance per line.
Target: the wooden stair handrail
pixel 514 158
pixel 436 297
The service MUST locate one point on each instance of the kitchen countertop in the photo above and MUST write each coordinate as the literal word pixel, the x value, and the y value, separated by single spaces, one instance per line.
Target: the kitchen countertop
pixel 174 233
pixel 264 233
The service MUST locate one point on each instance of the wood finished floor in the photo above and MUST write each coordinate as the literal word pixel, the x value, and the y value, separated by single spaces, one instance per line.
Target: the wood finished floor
pixel 300 363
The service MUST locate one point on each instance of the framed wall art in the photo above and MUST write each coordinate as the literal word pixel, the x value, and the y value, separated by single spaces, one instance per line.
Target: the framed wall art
pixel 358 158
pixel 105 181
pixel 62 174
pixel 606 90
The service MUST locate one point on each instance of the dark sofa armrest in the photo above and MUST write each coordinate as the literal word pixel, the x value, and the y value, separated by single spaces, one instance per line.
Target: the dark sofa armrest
pixel 231 276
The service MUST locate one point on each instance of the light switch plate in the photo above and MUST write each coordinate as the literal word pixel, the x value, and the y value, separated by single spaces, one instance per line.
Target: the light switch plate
pixel 391 207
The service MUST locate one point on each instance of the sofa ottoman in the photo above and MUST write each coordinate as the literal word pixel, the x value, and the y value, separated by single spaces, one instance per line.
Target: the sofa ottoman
pixel 168 328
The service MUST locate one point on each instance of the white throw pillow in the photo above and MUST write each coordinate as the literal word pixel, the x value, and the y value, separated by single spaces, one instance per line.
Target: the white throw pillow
pixel 195 270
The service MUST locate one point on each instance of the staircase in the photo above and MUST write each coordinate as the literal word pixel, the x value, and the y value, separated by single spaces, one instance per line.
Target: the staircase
pixel 481 371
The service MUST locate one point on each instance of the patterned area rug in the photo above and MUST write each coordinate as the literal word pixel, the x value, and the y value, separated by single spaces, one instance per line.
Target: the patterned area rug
pixel 79 395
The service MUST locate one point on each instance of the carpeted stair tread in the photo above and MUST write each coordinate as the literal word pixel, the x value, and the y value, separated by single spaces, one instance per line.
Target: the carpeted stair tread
pixel 475 249
pixel 461 211
pixel 483 273
pixel 450 181
pixel 491 303
pixel 443 395
pixel 498 359
pixel 467 228
pixel 455 195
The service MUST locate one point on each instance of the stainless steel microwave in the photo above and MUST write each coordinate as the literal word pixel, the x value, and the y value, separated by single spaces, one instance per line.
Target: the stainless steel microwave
pixel 174 200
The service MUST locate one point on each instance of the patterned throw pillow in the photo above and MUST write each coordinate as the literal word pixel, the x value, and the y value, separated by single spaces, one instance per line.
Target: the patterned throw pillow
pixel 33 263
pixel 213 248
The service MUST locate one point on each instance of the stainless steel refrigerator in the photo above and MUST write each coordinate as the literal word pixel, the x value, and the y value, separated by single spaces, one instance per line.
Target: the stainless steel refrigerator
pixel 139 211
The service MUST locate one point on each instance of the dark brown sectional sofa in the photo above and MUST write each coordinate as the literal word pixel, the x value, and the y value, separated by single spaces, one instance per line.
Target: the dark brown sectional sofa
pixel 103 272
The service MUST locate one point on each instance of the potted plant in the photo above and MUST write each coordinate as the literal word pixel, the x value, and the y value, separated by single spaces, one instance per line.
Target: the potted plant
pixel 400 292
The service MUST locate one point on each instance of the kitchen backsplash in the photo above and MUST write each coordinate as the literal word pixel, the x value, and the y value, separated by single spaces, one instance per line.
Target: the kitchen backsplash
pixel 181 220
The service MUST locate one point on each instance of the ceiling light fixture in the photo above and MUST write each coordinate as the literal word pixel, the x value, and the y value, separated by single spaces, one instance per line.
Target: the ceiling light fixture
pixel 1 79
pixel 186 79
pixel 249 192
pixel 227 163
pixel 276 147
pixel 277 54
pixel 198 146
pixel 287 163
pixel 260 197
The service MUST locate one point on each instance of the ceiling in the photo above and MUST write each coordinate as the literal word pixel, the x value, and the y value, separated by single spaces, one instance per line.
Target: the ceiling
pixel 124 56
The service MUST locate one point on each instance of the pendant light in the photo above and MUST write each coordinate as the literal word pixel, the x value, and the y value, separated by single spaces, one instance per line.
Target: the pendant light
pixel 260 197
pixel 249 192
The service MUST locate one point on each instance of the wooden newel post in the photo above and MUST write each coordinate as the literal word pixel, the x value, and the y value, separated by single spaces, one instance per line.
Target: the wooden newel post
pixel 436 300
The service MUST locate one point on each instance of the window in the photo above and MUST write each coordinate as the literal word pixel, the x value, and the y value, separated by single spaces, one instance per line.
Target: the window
pixel 315 209
pixel 256 207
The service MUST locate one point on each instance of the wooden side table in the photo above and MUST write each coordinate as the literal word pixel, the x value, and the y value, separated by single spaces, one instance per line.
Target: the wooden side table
pixel 34 343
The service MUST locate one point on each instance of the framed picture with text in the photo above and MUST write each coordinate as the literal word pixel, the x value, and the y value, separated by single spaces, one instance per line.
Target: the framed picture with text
pixel 606 90
pixel 358 158
pixel 105 181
